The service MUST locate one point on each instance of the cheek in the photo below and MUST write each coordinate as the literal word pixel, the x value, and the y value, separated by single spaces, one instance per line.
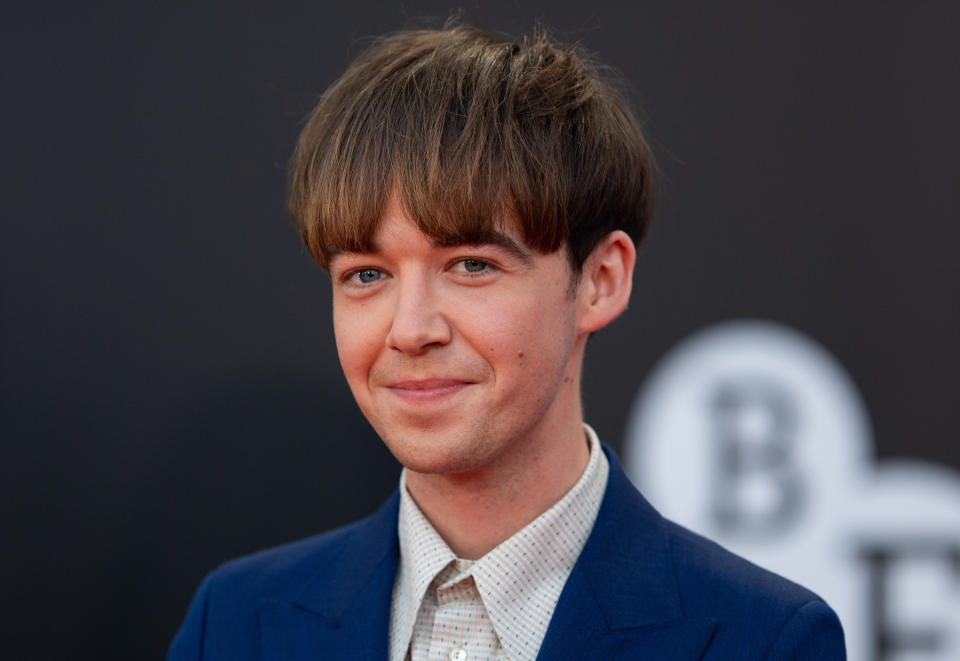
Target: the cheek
pixel 358 340
pixel 494 331
pixel 543 321
pixel 529 334
pixel 548 335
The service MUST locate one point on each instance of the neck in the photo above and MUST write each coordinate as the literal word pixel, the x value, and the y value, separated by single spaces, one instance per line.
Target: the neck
pixel 476 511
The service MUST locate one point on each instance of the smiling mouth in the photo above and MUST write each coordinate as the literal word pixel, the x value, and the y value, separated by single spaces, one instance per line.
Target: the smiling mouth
pixel 427 390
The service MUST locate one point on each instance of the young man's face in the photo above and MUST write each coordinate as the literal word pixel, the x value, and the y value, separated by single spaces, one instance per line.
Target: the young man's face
pixel 457 355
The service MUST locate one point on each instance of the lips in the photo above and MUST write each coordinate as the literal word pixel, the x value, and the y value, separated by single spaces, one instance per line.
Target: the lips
pixel 427 390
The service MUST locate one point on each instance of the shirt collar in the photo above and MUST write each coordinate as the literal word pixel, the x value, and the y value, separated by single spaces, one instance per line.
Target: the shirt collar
pixel 423 555
pixel 521 579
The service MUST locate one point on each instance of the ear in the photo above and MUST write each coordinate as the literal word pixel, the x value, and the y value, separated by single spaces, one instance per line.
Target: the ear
pixel 606 281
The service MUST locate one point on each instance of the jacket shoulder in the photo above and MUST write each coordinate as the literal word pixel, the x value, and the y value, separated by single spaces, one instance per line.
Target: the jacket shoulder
pixel 682 577
pixel 282 568
pixel 221 622
pixel 753 607
pixel 713 577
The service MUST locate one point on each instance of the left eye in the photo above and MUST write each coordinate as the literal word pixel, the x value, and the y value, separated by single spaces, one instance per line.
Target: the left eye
pixel 473 265
pixel 366 276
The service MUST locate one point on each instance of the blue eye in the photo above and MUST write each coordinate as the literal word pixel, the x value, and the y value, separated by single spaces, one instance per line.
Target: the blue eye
pixel 366 276
pixel 473 265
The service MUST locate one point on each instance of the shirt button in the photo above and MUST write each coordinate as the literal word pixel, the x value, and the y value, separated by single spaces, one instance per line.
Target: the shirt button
pixel 458 654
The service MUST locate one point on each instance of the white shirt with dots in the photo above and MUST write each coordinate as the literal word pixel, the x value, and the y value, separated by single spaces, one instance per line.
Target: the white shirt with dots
pixel 445 608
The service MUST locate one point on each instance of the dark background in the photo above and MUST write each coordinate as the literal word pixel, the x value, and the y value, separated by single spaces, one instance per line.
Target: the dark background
pixel 171 396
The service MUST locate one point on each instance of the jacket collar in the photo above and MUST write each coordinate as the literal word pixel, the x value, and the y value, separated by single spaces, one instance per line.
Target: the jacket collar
pixel 343 610
pixel 621 594
pixel 369 554
pixel 627 559
pixel 622 600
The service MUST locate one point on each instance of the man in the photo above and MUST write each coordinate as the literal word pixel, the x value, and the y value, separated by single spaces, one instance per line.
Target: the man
pixel 477 204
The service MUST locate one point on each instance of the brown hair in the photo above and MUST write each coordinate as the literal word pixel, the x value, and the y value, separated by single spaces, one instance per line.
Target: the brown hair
pixel 469 129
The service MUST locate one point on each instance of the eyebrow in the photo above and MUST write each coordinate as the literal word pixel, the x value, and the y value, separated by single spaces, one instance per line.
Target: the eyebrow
pixel 491 237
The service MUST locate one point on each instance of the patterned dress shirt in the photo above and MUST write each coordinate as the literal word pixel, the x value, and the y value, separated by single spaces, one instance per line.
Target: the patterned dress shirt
pixel 445 608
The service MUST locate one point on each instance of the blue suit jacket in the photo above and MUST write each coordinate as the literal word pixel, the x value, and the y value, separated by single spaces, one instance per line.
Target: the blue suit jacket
pixel 643 588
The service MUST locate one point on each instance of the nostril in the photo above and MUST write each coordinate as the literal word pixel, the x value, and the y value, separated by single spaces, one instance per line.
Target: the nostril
pixel 418 328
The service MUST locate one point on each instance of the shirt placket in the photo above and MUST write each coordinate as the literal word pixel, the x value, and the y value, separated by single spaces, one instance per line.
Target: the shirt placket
pixel 458 621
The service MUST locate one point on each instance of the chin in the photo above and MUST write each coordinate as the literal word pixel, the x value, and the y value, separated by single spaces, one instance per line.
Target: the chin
pixel 437 453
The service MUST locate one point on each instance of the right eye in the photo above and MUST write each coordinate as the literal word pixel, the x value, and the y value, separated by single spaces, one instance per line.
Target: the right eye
pixel 365 276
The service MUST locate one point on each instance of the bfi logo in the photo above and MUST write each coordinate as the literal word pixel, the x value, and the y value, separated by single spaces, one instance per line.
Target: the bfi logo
pixel 754 435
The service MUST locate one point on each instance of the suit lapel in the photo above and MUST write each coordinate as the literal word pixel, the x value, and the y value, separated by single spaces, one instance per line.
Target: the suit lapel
pixel 343 611
pixel 621 599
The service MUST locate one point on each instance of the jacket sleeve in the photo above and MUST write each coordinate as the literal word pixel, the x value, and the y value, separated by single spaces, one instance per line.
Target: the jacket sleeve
pixel 813 632
pixel 187 644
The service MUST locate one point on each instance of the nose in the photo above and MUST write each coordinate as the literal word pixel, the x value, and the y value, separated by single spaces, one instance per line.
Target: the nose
pixel 418 323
